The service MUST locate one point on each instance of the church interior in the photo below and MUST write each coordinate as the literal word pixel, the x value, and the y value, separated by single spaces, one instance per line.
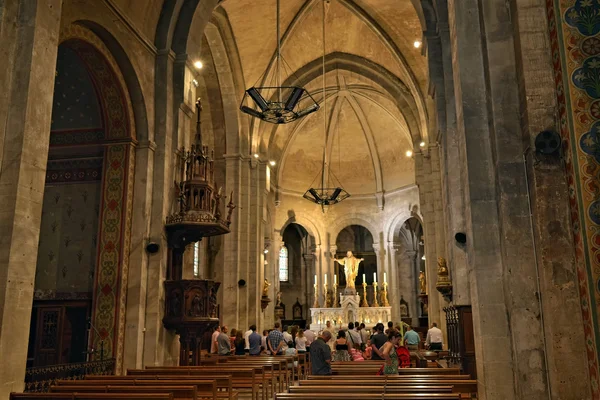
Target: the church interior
pixel 172 166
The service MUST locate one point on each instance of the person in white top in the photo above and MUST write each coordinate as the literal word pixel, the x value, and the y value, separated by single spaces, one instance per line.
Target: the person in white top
pixel 213 344
pixel 435 338
pixel 246 336
pixel 301 342
pixel 264 342
pixel 353 337
pixel 309 335
pixel 287 337
pixel 329 328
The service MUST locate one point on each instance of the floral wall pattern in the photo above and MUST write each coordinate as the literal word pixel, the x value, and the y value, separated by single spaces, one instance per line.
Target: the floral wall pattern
pixel 574 27
pixel 68 240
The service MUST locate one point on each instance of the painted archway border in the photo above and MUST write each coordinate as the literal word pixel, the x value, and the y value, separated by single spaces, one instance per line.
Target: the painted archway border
pixel 114 231
pixel 576 58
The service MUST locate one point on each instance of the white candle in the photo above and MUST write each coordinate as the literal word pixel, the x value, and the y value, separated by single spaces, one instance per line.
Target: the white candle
pixel 374 276
pixel 326 279
pixel 364 278
pixel 334 279
pixel 315 279
pixel 385 277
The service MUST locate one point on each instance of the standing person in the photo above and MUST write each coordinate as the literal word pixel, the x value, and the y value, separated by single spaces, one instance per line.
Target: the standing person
pixel 263 342
pixel 301 342
pixel 411 339
pixel 254 342
pixel 287 337
pixel 310 337
pixel 247 335
pixel 390 327
pixel 329 328
pixel 214 347
pixel 364 335
pixel 320 355
pixel 377 341
pixel 239 344
pixel 353 337
pixel 341 348
pixel 435 338
pixel 388 353
pixel 223 342
pixel 275 340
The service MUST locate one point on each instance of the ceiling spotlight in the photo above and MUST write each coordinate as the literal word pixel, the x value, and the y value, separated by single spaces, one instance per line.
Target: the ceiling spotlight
pixel 417 44
pixel 266 251
pixel 255 155
pixel 409 153
pixel 423 258
pixel 272 163
pixel 195 82
pixel 198 64
pixel 422 144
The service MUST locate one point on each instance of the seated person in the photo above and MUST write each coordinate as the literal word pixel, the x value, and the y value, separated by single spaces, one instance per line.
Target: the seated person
pixel 356 354
pixel 368 351
pixel 291 351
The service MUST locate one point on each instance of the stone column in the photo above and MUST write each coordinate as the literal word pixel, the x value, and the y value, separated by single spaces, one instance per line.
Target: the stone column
pixel 309 295
pixel 29 39
pixel 160 346
pixel 407 269
pixel 135 314
pixel 394 280
pixel 504 293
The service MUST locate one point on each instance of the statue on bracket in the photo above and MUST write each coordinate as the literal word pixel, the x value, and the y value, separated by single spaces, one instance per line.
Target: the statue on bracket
pixel 350 264
pixel 422 282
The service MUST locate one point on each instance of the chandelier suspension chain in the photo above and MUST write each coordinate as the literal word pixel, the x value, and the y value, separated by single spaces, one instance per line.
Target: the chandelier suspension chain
pixel 325 133
pixel 278 56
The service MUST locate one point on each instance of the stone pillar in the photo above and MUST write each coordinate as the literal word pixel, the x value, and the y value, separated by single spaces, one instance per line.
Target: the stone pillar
pixel 135 314
pixel 29 39
pixel 309 295
pixel 160 346
pixel 407 269
pixel 504 291
pixel 394 280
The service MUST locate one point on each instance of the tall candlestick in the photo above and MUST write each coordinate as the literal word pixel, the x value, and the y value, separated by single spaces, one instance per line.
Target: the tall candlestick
pixel 364 278
pixel 385 277
pixel 374 276
pixel 334 279
pixel 326 279
pixel 315 279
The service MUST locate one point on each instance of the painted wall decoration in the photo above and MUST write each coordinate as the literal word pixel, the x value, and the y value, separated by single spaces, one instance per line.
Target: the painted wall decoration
pixel 574 27
pixel 68 238
pixel 117 135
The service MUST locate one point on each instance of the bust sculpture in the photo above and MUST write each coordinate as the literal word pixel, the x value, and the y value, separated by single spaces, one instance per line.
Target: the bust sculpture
pixel 350 264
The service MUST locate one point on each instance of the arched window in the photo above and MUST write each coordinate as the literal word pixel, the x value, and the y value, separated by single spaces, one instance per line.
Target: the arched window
pixel 283 265
pixel 196 259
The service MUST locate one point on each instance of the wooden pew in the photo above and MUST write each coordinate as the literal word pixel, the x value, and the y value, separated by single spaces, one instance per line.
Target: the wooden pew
pixel 458 385
pixel 224 383
pixel 367 396
pixel 206 389
pixel 381 389
pixel 345 378
pixel 243 378
pixel 179 392
pixel 91 396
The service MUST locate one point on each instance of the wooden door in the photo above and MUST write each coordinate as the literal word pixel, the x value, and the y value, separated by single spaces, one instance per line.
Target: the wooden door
pixel 48 338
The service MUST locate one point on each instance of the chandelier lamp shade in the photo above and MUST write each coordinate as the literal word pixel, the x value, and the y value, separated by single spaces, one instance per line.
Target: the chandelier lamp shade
pixel 326 196
pixel 290 103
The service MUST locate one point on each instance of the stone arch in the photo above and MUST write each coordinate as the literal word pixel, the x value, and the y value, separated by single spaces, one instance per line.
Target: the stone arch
pixel 307 223
pixel 355 219
pixel 127 75
pixel 358 65
pixel 116 199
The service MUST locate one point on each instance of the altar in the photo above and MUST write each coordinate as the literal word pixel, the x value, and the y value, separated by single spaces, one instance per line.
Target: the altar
pixel 349 311
pixel 350 307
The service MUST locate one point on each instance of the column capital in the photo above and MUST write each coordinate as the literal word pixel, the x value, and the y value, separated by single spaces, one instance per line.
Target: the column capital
pixel 379 250
pixel 409 254
pixel 332 249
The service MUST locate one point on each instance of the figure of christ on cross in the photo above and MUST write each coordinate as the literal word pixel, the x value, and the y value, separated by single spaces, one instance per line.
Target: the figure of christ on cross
pixel 350 264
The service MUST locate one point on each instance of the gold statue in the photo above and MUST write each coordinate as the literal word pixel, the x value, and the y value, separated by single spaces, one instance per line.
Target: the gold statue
pixel 350 264
pixel 442 267
pixel 266 288
pixel 423 282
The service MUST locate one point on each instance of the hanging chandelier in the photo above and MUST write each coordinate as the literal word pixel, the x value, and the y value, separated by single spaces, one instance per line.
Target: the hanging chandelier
pixel 278 104
pixel 330 191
